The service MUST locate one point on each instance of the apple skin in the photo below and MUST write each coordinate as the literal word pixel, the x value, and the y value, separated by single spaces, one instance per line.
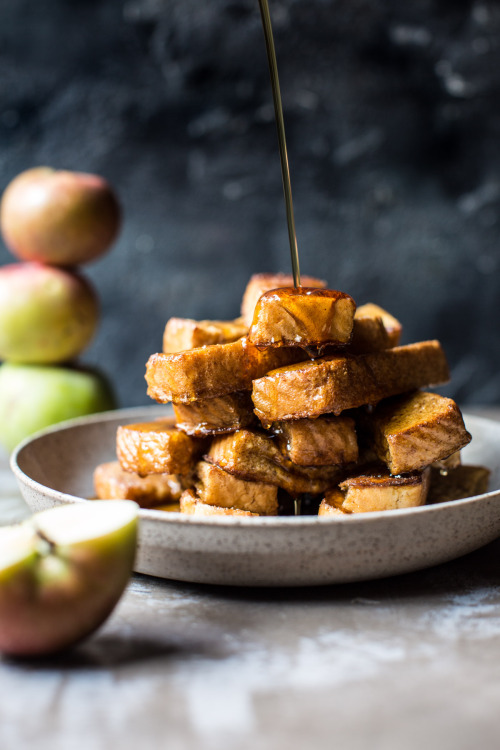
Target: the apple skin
pixel 60 218
pixel 34 397
pixel 47 315
pixel 55 593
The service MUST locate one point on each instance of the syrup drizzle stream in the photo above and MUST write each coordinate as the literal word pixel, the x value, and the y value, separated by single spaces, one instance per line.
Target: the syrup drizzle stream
pixel 278 112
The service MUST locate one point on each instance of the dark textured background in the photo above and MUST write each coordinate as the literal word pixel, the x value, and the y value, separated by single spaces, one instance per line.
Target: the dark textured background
pixel 393 121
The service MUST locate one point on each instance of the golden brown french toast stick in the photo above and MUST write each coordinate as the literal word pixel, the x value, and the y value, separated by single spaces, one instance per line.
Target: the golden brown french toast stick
pixel 217 487
pixel 318 442
pixel 335 383
pixel 215 416
pixel 254 456
pixel 157 448
pixel 263 282
pixel 392 326
pixel 192 506
pixel 303 316
pixel 111 482
pixel 376 491
pixel 211 371
pixel 183 333
pixel 413 431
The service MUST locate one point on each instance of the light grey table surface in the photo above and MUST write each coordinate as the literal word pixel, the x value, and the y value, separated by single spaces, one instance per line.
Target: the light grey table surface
pixel 402 663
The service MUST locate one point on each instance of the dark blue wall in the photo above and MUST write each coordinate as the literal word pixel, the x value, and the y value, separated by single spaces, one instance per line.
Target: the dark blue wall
pixel 393 121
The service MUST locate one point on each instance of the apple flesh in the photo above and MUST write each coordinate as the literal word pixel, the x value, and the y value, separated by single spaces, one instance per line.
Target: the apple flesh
pixel 58 217
pixel 62 572
pixel 47 315
pixel 34 397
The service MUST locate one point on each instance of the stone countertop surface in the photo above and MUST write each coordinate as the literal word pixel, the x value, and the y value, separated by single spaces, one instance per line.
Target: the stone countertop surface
pixel 399 663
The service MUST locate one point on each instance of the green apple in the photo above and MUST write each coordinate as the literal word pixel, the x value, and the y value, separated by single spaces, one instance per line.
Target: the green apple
pixel 62 572
pixel 47 315
pixel 58 217
pixel 33 397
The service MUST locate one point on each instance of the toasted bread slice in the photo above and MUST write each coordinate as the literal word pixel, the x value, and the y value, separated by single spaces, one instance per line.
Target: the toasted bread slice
pixel 215 416
pixel 377 491
pixel 373 329
pixel 183 333
pixel 413 431
pixel 157 448
pixel 332 505
pixel 111 482
pixel 318 442
pixel 457 483
pixel 254 456
pixel 217 487
pixel 264 282
pixel 303 316
pixel 191 505
pixel 392 326
pixel 335 383
pixel 211 371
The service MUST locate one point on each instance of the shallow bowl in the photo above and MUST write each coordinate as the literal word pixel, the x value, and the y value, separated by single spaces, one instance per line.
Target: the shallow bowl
pixel 57 465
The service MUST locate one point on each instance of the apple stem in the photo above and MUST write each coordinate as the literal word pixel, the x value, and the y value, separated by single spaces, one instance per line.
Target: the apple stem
pixel 49 545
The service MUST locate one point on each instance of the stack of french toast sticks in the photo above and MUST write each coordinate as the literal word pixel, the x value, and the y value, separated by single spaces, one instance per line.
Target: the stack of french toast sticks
pixel 305 401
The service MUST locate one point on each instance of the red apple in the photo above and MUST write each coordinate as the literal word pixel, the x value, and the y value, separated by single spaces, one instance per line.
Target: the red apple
pixel 58 217
pixel 47 315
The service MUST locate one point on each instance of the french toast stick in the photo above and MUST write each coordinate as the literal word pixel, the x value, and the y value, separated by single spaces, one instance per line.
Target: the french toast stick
pixel 263 282
pixel 157 448
pixel 376 491
pixel 392 326
pixel 111 482
pixel 304 316
pixel 318 442
pixel 216 487
pixel 192 506
pixel 211 371
pixel 183 333
pixel 215 416
pixel 335 383
pixel 412 431
pixel 255 457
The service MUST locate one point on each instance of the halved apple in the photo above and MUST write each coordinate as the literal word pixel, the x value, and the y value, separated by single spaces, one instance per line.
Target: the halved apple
pixel 62 572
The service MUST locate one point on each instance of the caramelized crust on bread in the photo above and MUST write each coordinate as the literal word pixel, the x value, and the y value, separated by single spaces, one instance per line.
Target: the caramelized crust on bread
pixel 183 333
pixel 157 448
pixel 413 431
pixel 254 456
pixel 190 505
pixel 335 383
pixel 217 487
pixel 318 442
pixel 215 416
pixel 378 491
pixel 211 371
pixel 303 316
pixel 457 483
pixel 111 482
pixel 264 282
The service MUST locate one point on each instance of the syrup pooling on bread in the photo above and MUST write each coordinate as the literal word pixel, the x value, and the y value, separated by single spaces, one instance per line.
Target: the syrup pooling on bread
pixel 303 317
pixel 264 282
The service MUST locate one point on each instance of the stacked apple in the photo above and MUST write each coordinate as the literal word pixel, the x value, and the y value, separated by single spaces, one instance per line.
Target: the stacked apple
pixel 52 221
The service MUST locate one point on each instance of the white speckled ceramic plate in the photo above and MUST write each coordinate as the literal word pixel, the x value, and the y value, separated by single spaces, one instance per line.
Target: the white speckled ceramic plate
pixel 56 467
